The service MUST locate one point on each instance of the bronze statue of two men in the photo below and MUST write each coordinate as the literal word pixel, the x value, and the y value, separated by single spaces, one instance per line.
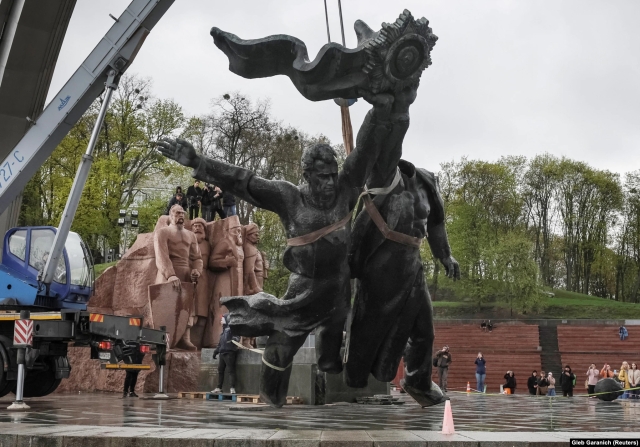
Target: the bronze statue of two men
pixel 392 314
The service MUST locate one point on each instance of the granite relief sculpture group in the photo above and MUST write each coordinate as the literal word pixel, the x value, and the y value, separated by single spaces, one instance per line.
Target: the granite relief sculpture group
pixel 217 266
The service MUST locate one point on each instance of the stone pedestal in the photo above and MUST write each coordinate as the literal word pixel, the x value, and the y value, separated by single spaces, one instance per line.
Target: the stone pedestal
pixel 181 374
pixel 198 371
pixel 313 386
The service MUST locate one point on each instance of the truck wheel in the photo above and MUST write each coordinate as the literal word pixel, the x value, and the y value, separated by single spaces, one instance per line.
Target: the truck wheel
pixel 6 386
pixel 42 383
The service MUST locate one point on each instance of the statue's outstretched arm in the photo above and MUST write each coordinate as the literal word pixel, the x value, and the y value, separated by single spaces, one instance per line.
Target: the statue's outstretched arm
pixel 241 182
pixel 371 139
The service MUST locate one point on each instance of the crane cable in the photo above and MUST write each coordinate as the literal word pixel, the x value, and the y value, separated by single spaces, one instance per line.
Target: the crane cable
pixel 347 128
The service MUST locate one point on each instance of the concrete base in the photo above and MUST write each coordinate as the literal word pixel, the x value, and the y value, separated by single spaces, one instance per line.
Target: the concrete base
pixel 18 406
pixel 313 386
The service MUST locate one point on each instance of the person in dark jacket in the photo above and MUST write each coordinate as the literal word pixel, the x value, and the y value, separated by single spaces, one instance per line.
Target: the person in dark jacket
pixel 216 202
pixel 228 354
pixel 207 201
pixel 194 194
pixel 229 203
pixel 131 376
pixel 543 384
pixel 532 383
pixel 567 381
pixel 443 360
pixel 177 199
pixel 481 372
pixel 510 383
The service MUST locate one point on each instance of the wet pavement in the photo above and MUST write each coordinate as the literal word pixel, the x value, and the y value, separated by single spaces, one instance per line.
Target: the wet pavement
pixel 475 412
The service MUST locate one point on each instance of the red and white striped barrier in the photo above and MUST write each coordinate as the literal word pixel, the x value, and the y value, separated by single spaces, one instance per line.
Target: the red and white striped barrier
pixel 23 333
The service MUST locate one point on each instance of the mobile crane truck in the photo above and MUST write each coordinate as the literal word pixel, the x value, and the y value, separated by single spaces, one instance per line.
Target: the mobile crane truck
pixel 46 274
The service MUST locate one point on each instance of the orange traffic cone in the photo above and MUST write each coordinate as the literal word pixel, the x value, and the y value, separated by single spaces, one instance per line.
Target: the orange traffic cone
pixel 447 421
pixel 468 388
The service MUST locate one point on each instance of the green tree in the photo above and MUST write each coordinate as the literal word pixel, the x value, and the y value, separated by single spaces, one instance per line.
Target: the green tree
pixel 124 159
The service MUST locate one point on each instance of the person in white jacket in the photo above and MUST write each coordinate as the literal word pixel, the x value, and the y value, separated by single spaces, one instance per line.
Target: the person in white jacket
pixel 592 379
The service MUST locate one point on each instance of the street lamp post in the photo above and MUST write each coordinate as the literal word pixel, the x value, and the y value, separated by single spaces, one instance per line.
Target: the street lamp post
pixel 127 220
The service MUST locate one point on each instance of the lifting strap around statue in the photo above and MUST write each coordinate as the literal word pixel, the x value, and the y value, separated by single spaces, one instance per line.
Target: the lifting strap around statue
pixel 310 238
pixel 373 212
pixel 379 221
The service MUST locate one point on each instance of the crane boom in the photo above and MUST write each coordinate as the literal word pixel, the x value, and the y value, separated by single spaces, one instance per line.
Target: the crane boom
pixel 116 51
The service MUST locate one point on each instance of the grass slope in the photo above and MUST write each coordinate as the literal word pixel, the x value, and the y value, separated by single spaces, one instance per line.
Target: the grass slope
pixel 564 305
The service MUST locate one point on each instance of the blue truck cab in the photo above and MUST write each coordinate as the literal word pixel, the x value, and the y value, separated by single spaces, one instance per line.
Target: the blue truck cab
pixel 24 255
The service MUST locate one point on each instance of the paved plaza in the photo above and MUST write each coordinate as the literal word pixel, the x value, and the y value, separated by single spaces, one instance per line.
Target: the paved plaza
pixel 473 412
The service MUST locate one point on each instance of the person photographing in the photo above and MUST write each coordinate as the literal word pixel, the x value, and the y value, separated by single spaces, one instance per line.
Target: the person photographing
pixel 443 360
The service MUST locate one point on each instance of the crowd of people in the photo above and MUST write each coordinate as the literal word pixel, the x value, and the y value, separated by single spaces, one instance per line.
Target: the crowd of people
pixel 204 200
pixel 544 384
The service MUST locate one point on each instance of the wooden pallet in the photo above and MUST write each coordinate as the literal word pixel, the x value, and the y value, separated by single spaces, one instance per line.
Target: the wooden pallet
pixel 192 395
pixel 248 399
pixel 222 397
pixel 294 400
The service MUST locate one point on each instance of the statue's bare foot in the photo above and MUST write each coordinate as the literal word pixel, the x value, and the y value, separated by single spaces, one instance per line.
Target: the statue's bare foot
pixel 429 398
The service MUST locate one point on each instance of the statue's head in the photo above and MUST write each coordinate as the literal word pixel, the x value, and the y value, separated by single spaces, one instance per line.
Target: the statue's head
pixel 252 233
pixel 176 213
pixel 321 171
pixel 198 226
pixel 236 234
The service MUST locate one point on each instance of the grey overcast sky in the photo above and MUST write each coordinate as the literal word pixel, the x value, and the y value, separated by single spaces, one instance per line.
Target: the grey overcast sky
pixel 509 77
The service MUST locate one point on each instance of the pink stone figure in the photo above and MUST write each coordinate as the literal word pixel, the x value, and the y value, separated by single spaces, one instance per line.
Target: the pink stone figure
pixel 202 330
pixel 178 259
pixel 253 262
pixel 226 260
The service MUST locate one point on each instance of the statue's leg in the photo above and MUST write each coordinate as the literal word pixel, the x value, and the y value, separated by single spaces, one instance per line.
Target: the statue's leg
pixel 374 324
pixel 328 344
pixel 408 305
pixel 276 367
pixel 417 357
pixel 365 335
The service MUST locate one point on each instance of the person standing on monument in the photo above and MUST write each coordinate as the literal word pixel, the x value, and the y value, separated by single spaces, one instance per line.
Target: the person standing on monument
pixel 315 217
pixel 178 259
pixel 194 194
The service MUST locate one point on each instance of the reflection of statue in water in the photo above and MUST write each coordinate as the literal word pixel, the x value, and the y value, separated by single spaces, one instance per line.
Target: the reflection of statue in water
pixel 178 259
pixel 202 330
pixel 254 267
pixel 226 260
